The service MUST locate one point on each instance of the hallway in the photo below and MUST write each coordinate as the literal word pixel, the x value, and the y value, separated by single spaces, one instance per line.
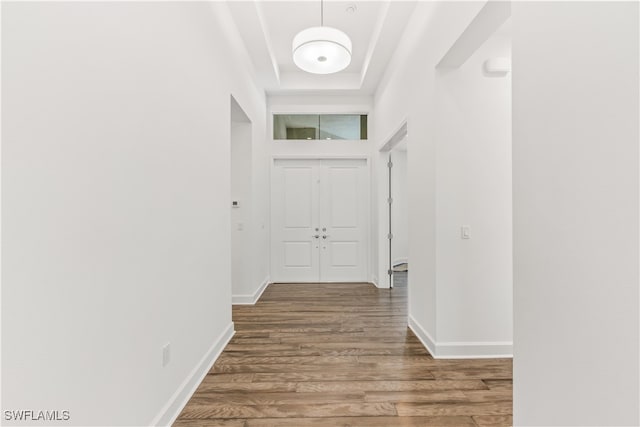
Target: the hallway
pixel 342 355
pixel 166 166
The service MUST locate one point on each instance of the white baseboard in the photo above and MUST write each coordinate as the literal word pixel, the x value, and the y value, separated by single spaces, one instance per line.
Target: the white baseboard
pixel 474 350
pixel 461 350
pixel 423 336
pixel 251 299
pixel 177 402
pixel 382 284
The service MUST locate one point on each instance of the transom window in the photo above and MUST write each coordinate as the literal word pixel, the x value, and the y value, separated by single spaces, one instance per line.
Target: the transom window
pixel 320 126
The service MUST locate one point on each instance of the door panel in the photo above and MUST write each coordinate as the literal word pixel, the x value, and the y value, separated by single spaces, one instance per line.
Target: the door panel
pixel 324 198
pixel 343 212
pixel 343 254
pixel 298 254
pixel 298 194
pixel 343 196
pixel 294 197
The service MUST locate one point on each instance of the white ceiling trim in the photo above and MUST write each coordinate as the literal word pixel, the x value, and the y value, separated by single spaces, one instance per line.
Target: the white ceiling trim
pixel 267 28
pixel 490 18
pixel 267 38
pixel 303 81
pixel 223 15
pixel 375 37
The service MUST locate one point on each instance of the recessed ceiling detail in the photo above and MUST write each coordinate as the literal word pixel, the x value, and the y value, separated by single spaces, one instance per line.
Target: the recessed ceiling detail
pixel 267 29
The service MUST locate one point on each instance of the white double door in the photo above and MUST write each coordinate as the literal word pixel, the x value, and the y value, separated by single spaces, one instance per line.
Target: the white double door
pixel 319 220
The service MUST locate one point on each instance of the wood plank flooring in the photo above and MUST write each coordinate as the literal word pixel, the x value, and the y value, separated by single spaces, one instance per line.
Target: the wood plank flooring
pixel 338 355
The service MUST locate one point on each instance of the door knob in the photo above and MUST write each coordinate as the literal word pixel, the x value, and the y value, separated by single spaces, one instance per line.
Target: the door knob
pixel 316 236
pixel 325 236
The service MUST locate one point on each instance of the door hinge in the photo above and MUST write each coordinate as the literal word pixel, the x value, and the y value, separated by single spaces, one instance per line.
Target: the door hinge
pixel 390 236
pixel 390 272
pixel 390 164
pixel 390 200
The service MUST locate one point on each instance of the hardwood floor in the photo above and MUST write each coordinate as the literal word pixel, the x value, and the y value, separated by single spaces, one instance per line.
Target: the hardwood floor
pixel 342 355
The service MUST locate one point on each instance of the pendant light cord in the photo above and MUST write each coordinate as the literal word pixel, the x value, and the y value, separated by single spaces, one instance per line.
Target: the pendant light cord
pixel 322 13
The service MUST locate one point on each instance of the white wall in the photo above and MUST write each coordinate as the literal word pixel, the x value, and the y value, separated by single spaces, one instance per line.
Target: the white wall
pixel 473 174
pixel 575 164
pixel 260 207
pixel 115 197
pixel 250 221
pixel 412 90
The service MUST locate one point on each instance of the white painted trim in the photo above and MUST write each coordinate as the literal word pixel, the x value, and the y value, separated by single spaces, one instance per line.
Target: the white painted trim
pixel 302 282
pixel 267 40
pixel 319 157
pixel 461 350
pixel 400 133
pixel 359 109
pixel 373 41
pixel 251 299
pixel 423 336
pixel 177 402
pixel 474 350
pixel 491 17
pixel 384 284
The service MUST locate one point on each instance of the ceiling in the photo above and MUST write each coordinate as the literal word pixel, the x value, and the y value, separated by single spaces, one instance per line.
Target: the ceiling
pixel 267 29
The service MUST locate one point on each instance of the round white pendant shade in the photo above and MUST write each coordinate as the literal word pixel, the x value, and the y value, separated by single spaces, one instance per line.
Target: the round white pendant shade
pixel 322 50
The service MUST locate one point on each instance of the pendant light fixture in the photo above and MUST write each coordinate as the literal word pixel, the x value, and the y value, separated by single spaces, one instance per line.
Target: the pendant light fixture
pixel 322 50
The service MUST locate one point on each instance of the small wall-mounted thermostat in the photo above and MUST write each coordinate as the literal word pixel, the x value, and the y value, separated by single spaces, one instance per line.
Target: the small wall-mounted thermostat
pixel 235 204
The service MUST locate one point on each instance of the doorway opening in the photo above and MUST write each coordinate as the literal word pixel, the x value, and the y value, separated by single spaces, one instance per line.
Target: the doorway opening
pixel 397 212
pixel 241 197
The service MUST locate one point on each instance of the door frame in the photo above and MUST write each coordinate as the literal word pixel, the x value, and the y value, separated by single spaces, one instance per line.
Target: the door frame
pixel 368 211
pixel 384 256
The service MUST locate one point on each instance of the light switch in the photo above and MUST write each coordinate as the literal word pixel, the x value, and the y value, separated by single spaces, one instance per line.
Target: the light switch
pixel 465 232
pixel 240 226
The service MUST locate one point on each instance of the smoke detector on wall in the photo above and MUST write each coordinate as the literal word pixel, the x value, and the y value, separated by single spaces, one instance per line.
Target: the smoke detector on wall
pixel 497 67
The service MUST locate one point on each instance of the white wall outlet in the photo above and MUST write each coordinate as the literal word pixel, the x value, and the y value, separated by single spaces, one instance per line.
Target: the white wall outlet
pixel 465 232
pixel 166 354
